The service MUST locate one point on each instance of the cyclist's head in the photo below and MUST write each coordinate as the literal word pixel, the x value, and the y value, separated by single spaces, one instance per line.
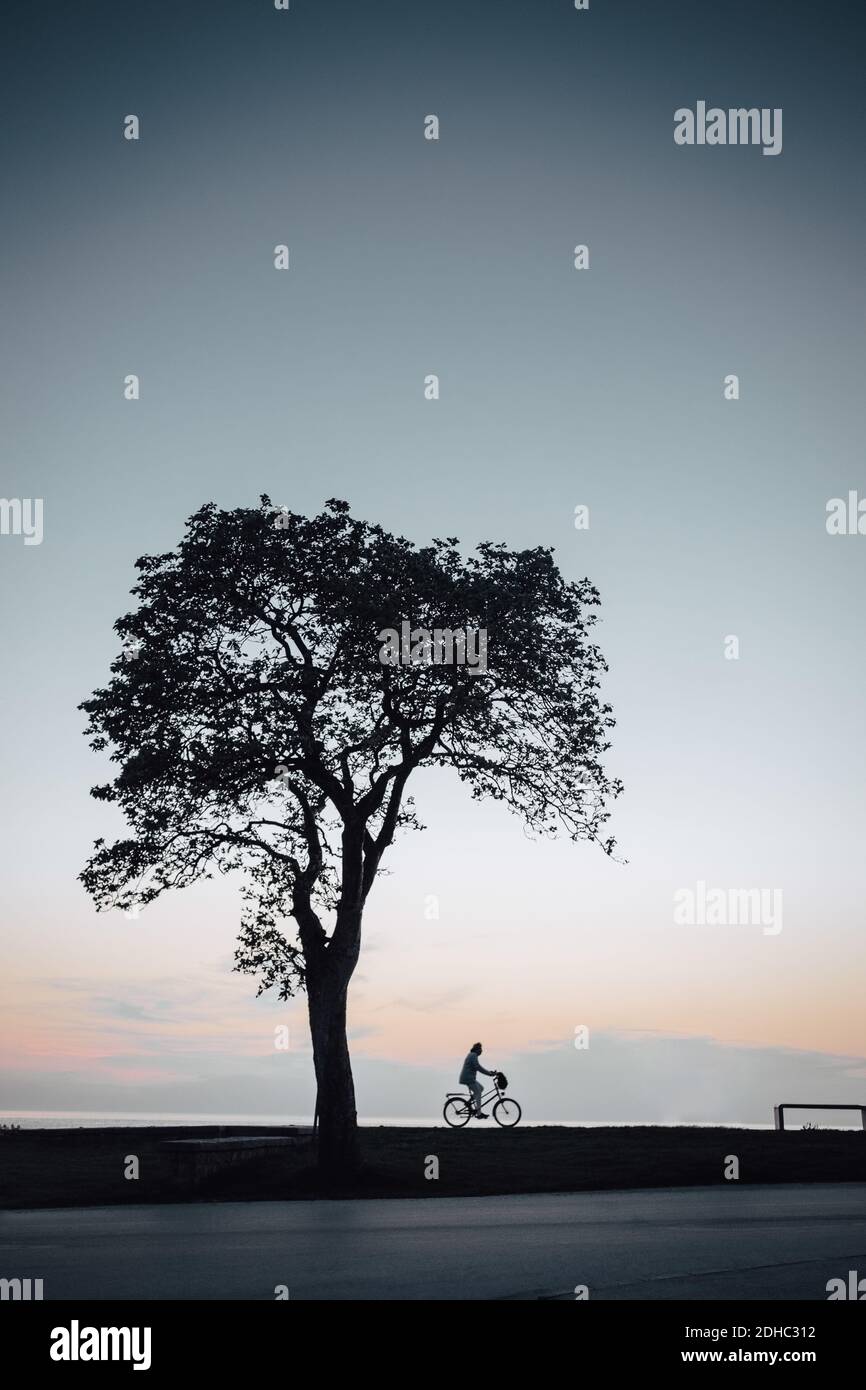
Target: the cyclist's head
pixel 476 1047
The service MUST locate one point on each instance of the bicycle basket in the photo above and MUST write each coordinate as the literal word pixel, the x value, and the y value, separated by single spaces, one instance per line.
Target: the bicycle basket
pixel 501 1080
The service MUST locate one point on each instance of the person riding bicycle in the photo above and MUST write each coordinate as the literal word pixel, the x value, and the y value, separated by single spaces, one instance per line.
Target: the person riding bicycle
pixel 469 1077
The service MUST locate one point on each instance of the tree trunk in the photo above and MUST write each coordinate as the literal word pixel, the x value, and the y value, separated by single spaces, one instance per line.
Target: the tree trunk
pixel 338 1146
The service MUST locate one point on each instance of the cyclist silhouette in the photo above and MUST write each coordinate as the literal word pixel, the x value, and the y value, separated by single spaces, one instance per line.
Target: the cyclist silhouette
pixel 469 1077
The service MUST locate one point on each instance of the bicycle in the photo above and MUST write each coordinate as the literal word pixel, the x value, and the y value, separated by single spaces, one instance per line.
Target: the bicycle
pixel 460 1109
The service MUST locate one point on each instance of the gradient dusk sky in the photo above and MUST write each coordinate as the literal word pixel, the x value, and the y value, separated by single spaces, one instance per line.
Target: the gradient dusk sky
pixel 601 387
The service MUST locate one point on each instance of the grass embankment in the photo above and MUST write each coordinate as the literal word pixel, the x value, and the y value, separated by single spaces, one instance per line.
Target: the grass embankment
pixel 85 1167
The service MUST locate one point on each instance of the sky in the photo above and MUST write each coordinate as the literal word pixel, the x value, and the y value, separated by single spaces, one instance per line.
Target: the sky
pixel 559 388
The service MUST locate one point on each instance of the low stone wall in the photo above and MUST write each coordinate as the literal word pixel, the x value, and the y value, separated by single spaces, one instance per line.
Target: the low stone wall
pixel 196 1159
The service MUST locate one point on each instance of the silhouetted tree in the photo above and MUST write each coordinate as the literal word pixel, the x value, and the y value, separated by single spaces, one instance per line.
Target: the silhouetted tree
pixel 257 728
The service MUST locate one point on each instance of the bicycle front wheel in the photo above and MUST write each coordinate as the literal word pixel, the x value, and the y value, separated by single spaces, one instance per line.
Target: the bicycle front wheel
pixel 456 1113
pixel 507 1113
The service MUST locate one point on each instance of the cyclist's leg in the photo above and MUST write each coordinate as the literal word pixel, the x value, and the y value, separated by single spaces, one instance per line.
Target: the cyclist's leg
pixel 476 1090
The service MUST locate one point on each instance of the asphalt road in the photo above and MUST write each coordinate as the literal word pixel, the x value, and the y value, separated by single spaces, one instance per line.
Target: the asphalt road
pixel 764 1242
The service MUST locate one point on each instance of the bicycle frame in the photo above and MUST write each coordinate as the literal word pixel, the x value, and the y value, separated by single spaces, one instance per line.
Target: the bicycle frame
pixel 485 1096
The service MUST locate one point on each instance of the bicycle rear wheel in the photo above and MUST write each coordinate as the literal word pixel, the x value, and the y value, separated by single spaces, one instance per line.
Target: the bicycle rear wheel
pixel 507 1113
pixel 456 1112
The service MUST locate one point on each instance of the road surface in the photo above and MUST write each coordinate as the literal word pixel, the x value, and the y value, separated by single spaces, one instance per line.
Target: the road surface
pixel 767 1242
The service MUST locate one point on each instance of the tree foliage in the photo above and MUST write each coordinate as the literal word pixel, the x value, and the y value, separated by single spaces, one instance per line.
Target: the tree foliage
pixel 254 726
